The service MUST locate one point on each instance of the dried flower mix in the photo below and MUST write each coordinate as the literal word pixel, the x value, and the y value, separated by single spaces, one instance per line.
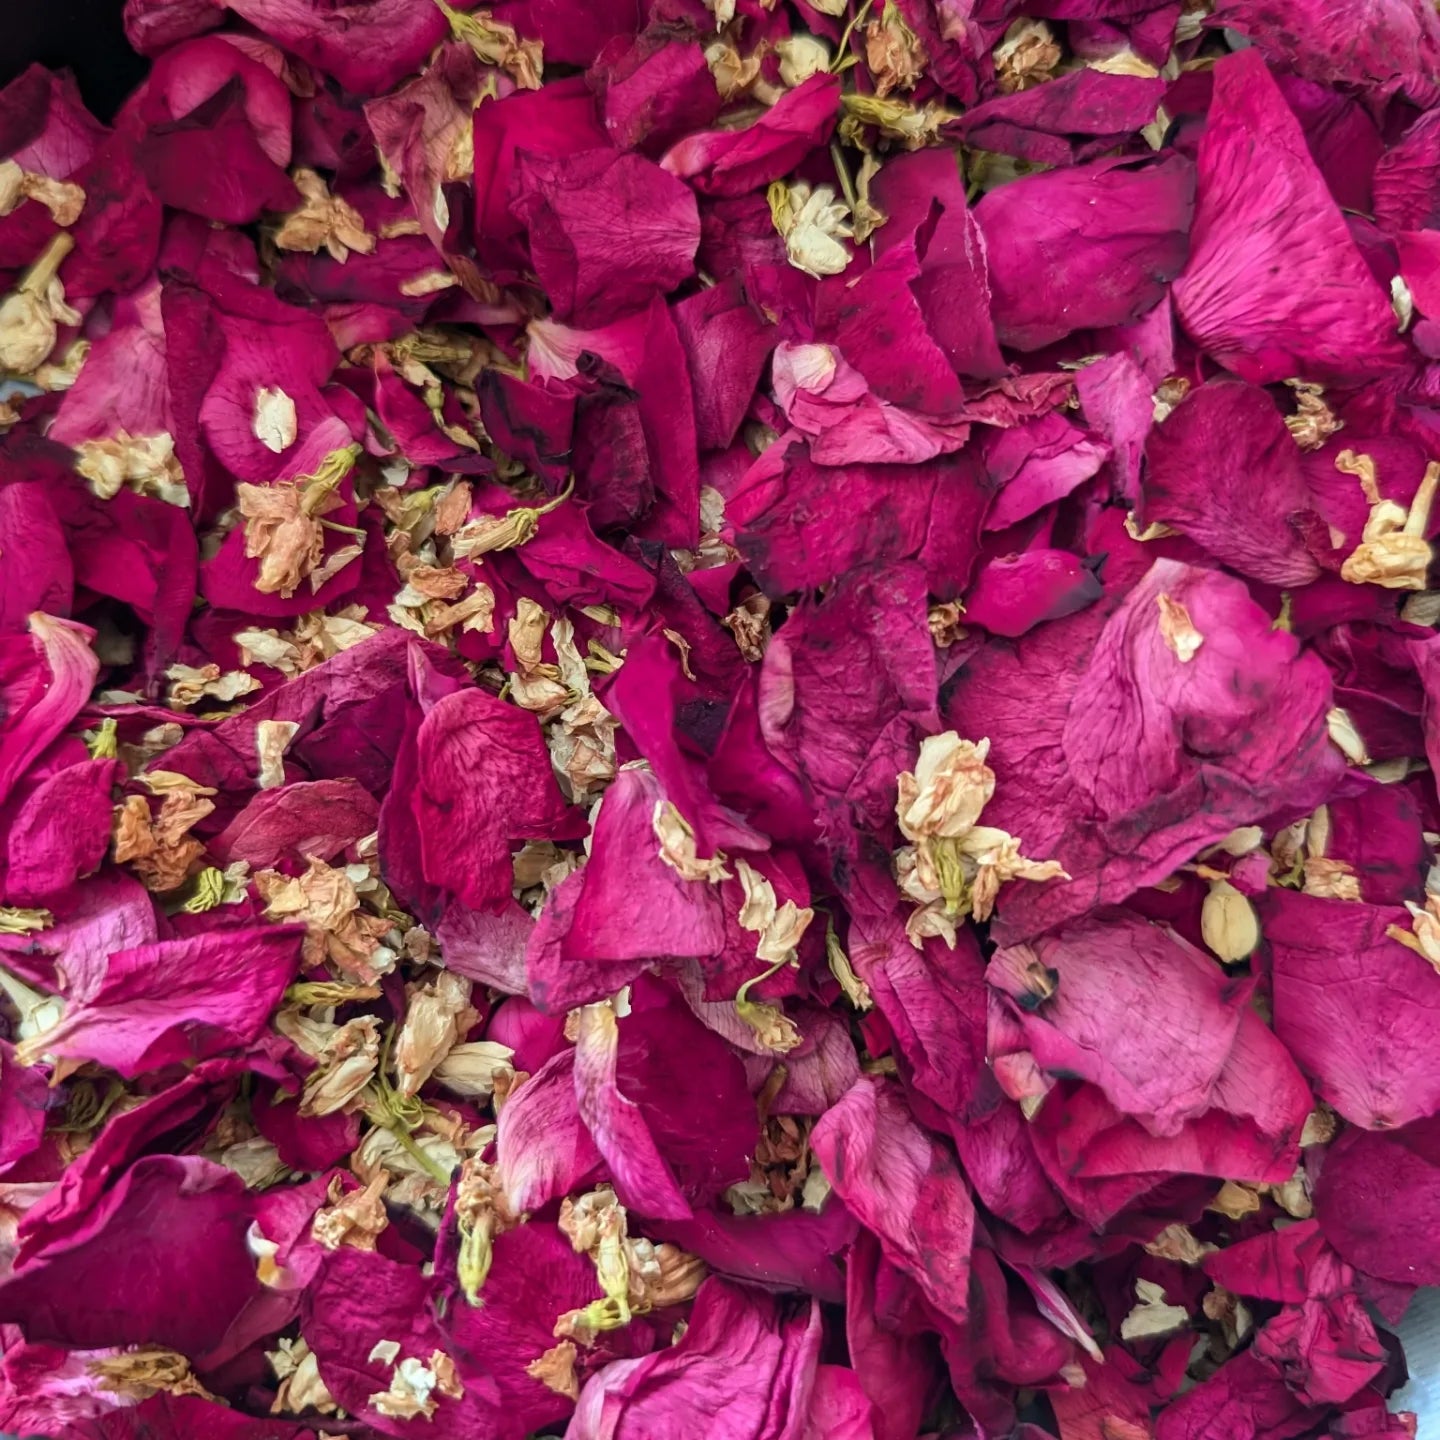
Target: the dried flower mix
pixel 721 709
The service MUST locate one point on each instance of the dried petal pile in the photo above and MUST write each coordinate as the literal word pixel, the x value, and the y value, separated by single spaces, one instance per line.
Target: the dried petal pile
pixel 721 719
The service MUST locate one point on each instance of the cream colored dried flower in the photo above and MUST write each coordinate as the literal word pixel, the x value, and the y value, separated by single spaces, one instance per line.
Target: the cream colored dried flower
pixel 1027 55
pixel 1393 551
pixel 62 198
pixel 1152 1316
pixel 146 464
pixel 323 221
pixel 301 1387
pixel 801 56
pixel 438 1014
pixel 30 315
pixel 950 786
pixel 470 1069
pixel 812 222
pixel 190 684
pixel 353 1217
pixel 894 53
pixel 677 847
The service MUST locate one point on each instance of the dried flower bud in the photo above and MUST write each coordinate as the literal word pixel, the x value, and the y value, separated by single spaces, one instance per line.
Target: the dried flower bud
pixel 1228 923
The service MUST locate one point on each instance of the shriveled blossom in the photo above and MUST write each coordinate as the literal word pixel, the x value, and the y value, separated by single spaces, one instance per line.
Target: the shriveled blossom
pixel 955 865
pixel 144 463
pixel 813 223
pixel 1393 550
pixel 325 900
pixel 159 847
pixel 32 312
pixel 284 524
pixel 1026 55
pixel 678 846
pixel 63 199
pixel 323 221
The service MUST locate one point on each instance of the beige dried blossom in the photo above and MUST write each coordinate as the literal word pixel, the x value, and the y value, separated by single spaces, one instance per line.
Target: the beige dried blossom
pixel 1423 936
pixel 323 221
pixel 418 1166
pixel 482 1213
pixel 146 464
pixel 894 53
pixel 780 927
pixel 1152 1317
pixel 734 74
pixel 301 1387
pixel 190 684
pixel 855 990
pixel 428 282
pixel 944 621
pixel 255 1160
pixel 158 848
pixel 582 744
pixel 475 613
pixel 868 217
pixel 1236 1199
pixel 497 43
pixel 1346 736
pixel 634 1274
pixel 1228 923
pixel 352 1217
pixel 997 860
pixel 518 526
pixel 1321 1126
pixel 1393 551
pixel 136 1375
pixel 801 56
pixel 677 847
pixel 284 528
pixel 31 314
pixel 749 623
pixel 274 422
pixel 813 223
pixel 956 866
pixel 325 900
pixel 1313 422
pixel 1177 629
pixel 346 1057
pixel 438 1013
pixel 272 739
pixel 62 198
pixel 313 639
pixel 414 1386
pixel 949 787
pixel 471 1068
pixel 1330 879
pixel 909 126
pixel 63 368
pixel 1293 1195
pixel 1175 1242
pixel 1027 55
pixel 452 507
pixel 534 685
pixel 555 1369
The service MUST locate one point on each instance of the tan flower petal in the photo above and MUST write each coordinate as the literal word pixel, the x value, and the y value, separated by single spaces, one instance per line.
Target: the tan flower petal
pixel 274 423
